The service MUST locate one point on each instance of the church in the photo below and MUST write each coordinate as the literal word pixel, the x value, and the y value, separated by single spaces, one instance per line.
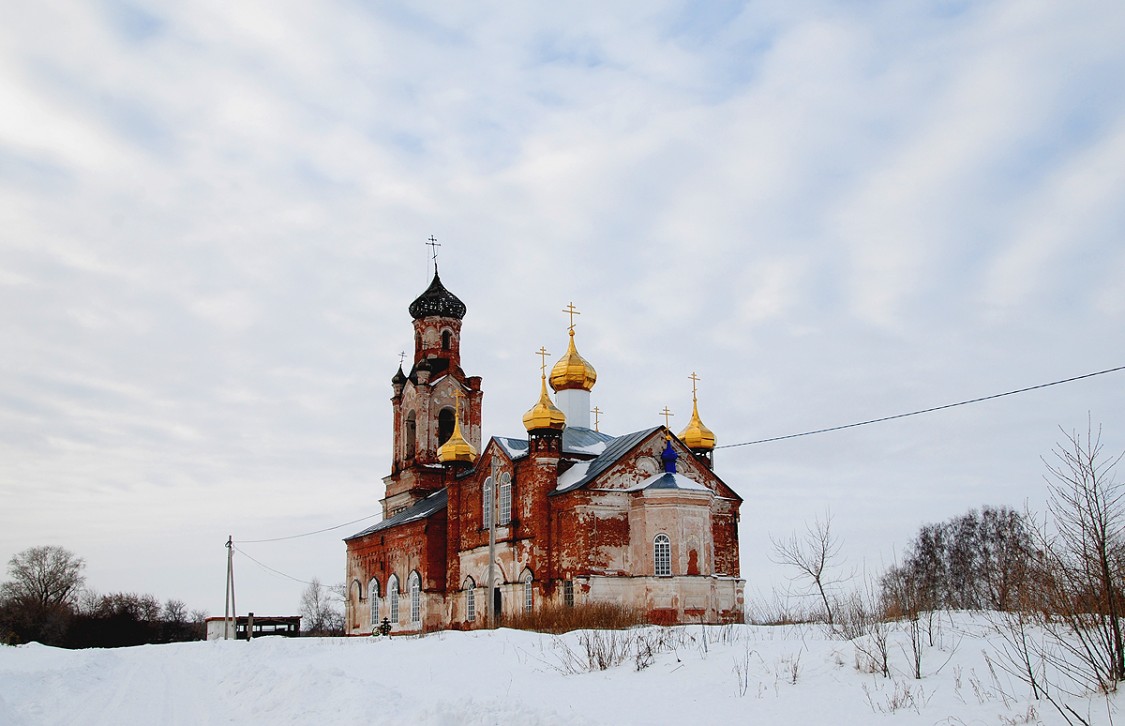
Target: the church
pixel 563 515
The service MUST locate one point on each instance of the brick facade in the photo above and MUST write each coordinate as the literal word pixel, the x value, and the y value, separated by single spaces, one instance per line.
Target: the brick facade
pixel 585 511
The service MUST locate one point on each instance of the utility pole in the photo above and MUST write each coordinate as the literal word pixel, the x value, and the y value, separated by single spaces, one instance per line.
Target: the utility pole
pixel 230 617
pixel 492 545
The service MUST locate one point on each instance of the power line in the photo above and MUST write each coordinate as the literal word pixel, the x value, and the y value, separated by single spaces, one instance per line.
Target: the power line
pixel 307 534
pixel 265 566
pixel 924 410
pixel 746 443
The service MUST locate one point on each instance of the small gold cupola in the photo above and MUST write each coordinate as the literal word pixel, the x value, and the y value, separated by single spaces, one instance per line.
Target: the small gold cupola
pixel 695 435
pixel 544 415
pixel 456 450
pixel 572 371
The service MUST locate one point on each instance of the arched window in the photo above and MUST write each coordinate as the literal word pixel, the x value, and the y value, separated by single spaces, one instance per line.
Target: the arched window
pixel 486 503
pixel 444 425
pixel 505 498
pixel 373 596
pixel 411 434
pixel 662 555
pixel 392 593
pixel 528 601
pixel 415 598
pixel 357 590
pixel 446 340
pixel 470 600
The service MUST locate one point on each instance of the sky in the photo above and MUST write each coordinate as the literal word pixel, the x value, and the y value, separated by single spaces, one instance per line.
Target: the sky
pixel 213 217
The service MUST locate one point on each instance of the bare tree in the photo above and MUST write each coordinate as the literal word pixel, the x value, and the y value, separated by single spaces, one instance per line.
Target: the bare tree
pixel 1085 554
pixel 1064 638
pixel 318 610
pixel 812 556
pixel 42 593
pixel 45 577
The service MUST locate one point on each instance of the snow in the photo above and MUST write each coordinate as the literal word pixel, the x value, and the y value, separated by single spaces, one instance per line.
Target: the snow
pixel 595 448
pixel 743 674
pixel 573 475
pixel 682 482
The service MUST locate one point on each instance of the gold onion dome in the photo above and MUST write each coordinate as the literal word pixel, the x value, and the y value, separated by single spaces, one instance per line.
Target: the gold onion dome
pixel 456 449
pixel 695 435
pixel 544 414
pixel 573 371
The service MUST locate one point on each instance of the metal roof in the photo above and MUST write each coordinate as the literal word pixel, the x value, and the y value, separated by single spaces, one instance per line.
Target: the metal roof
pixel 614 450
pixel 419 510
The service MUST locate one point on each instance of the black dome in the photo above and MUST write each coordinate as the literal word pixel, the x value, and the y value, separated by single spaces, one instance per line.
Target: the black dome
pixel 436 301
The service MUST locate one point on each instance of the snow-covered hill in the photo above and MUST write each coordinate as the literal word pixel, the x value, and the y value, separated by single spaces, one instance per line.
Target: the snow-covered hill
pixel 735 674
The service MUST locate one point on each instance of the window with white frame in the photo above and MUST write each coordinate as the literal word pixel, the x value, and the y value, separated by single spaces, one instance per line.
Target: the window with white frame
pixel 392 594
pixel 662 555
pixel 528 601
pixel 486 503
pixel 415 598
pixel 568 593
pixel 470 600
pixel 373 596
pixel 505 498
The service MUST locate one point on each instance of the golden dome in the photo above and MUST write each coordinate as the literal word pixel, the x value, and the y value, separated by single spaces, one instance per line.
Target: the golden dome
pixel 544 414
pixel 573 371
pixel 695 435
pixel 456 450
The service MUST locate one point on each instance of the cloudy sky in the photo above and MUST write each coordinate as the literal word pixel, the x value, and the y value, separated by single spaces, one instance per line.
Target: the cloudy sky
pixel 213 217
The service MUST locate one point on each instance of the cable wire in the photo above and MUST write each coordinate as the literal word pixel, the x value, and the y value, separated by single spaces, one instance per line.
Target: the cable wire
pixel 924 410
pixel 307 534
pixel 747 443
pixel 276 572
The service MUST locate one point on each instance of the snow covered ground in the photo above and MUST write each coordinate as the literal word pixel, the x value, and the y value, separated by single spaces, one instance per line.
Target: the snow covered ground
pixel 742 674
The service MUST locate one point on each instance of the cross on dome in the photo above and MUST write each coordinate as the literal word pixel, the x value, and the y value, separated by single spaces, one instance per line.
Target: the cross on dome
pixel 433 244
pixel 571 311
pixel 667 414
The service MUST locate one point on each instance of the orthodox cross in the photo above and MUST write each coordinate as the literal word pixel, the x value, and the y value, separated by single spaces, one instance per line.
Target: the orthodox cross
pixel 694 379
pixel 433 244
pixel 401 358
pixel 542 353
pixel 597 413
pixel 667 414
pixel 571 311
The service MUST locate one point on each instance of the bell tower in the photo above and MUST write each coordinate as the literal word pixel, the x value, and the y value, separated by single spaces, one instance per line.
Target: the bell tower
pixel 424 401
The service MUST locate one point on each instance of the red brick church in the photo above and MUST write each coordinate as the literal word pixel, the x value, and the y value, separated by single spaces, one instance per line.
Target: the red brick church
pixel 571 515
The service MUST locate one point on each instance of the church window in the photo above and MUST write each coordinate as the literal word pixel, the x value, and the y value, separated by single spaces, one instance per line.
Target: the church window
pixel 505 498
pixel 374 598
pixel 415 598
pixel 411 433
pixel 446 340
pixel 445 425
pixel 662 555
pixel 487 503
pixel 392 594
pixel 568 593
pixel 470 600
pixel 527 592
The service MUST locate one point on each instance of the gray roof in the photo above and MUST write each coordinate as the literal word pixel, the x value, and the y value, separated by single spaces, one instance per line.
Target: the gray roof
pixel 515 447
pixel 614 450
pixel 575 439
pixel 419 510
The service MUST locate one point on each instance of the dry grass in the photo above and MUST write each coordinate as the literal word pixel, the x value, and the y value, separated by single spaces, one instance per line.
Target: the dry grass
pixel 563 619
